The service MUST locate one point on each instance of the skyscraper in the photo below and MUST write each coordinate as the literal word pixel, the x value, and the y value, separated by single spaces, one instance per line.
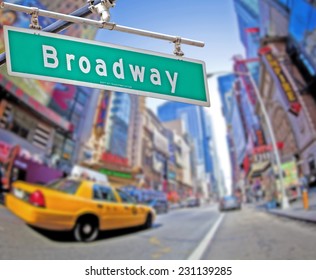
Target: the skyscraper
pixel 248 21
pixel 198 127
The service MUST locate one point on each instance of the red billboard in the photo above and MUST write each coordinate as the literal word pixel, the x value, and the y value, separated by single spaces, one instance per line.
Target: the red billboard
pixel 114 159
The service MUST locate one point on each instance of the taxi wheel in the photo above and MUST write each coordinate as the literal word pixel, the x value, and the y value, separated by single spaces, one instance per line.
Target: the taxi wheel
pixel 86 229
pixel 149 221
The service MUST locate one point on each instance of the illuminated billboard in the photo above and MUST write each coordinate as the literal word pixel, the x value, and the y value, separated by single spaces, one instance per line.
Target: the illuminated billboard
pixel 43 91
pixel 39 90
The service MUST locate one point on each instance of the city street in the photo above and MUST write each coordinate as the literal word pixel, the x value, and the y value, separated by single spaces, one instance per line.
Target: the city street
pixel 254 234
pixel 174 236
pixel 245 234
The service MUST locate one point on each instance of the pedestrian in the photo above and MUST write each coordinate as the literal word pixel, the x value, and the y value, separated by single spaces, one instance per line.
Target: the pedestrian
pixel 257 191
pixel 303 182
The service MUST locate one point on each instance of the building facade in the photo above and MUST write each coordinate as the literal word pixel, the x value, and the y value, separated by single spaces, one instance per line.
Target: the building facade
pixel 196 125
pixel 115 144
pixel 155 152
pixel 288 77
pixel 247 12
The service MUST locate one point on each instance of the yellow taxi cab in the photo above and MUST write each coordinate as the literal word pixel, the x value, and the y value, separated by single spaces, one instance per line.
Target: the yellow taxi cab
pixel 85 207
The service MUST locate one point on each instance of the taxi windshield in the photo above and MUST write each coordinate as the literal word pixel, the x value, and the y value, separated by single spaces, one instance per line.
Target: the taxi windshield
pixel 64 185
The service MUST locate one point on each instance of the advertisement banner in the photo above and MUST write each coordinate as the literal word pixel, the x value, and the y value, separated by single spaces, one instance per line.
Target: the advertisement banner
pixel 240 66
pixel 39 90
pixel 62 99
pixel 284 83
pixel 114 159
pixel 161 142
pixel 290 174
pixel 101 113
pixel 35 104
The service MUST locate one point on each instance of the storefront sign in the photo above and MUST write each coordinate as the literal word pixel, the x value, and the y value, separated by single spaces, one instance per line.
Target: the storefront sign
pixel 157 162
pixel 290 174
pixel 114 173
pixel 266 148
pixel 101 113
pixel 4 151
pixel 161 142
pixel 109 157
pixel 35 105
pixel 290 94
pixel 246 164
pixel 260 137
pixel 249 87
pixel 64 59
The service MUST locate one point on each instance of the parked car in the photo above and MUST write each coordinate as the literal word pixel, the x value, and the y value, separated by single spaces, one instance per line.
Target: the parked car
pixel 229 202
pixel 193 202
pixel 156 199
pixel 85 207
pixel 159 204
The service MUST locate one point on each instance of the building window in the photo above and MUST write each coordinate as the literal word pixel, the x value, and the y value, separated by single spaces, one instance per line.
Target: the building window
pixel 58 143
pixel 68 149
pixel 21 124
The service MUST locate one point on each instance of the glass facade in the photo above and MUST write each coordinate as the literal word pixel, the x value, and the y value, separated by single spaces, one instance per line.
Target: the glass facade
pixel 252 6
pixel 119 124
pixel 238 132
pixel 225 85
pixel 248 22
pixel 248 99
pixel 286 3
pixel 302 29
pixel 194 120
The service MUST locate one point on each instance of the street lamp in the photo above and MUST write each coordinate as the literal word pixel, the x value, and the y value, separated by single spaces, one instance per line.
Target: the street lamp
pixel 284 203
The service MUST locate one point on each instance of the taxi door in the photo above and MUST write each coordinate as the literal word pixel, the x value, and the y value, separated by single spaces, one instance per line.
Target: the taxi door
pixel 108 207
pixel 130 211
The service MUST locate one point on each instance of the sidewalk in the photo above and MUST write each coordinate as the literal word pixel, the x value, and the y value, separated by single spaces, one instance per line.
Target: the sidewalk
pixel 297 211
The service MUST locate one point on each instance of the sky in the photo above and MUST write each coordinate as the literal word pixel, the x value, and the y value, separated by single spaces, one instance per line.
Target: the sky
pixel 211 21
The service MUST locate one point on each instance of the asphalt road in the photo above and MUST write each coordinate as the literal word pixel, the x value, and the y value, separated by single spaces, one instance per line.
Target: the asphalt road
pixel 174 236
pixel 180 234
pixel 257 235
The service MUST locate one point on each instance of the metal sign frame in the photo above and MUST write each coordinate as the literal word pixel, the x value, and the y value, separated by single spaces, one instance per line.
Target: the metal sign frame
pixel 102 86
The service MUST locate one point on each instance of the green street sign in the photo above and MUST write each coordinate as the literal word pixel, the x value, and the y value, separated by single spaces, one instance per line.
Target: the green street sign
pixel 58 58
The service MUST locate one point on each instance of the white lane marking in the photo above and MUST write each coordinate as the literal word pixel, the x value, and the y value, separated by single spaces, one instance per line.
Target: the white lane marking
pixel 200 249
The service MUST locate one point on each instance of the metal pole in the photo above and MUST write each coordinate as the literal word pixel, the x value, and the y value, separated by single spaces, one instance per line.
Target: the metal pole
pixel 285 203
pixel 58 25
pixel 102 24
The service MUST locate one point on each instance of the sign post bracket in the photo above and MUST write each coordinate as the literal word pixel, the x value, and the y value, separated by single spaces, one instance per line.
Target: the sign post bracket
pixel 177 47
pixel 34 19
pixel 104 10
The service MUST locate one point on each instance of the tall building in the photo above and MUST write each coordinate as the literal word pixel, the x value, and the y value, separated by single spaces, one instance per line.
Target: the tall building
pixel 252 165
pixel 248 22
pixel 225 88
pixel 196 126
pixel 179 157
pixel 244 126
pixel 288 78
pixel 115 144
pixel 47 120
pixel 155 152
pixel 228 99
